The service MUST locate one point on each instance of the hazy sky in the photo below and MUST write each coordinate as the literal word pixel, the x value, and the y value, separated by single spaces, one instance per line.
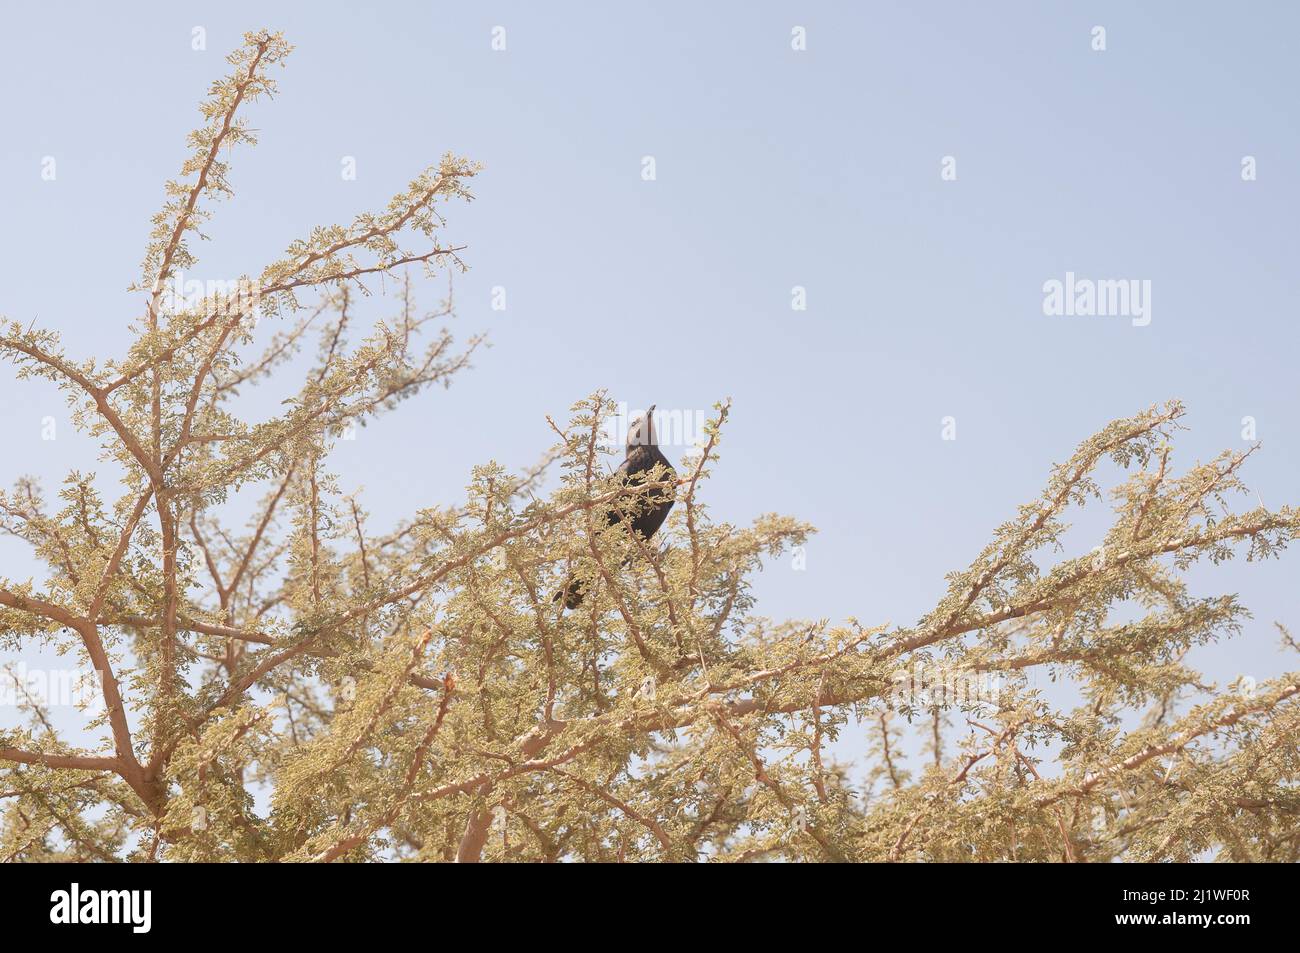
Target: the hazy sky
pixel 775 168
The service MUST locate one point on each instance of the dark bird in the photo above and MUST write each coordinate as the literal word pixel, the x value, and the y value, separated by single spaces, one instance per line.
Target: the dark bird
pixel 642 513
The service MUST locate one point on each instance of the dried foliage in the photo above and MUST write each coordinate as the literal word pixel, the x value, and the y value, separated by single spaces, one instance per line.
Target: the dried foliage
pixel 417 694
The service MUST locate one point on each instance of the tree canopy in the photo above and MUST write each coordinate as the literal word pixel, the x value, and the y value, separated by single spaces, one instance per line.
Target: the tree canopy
pixel 415 692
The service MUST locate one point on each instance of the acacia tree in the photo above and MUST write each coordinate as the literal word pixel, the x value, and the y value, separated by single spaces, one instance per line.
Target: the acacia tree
pixel 416 693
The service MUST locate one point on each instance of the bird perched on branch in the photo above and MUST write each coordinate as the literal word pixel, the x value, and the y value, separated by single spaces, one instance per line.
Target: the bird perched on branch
pixel 641 513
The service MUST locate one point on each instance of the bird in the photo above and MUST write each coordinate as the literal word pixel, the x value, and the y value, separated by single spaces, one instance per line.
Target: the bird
pixel 642 514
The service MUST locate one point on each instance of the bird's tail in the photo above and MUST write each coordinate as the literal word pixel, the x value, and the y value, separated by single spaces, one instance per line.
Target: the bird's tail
pixel 571 593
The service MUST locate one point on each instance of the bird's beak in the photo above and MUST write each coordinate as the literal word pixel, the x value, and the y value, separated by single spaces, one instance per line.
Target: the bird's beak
pixel 651 411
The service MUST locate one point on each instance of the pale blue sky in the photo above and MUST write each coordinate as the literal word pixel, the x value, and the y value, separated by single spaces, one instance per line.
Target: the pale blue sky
pixel 775 168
